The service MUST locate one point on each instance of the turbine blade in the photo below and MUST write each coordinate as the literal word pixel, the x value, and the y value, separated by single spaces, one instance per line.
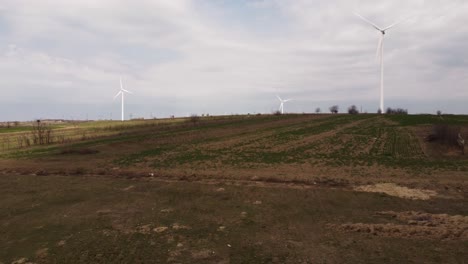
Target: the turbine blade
pixel 117 94
pixel 279 98
pixel 126 91
pixel 368 21
pixel 287 100
pixel 121 86
pixel 378 54
pixel 396 23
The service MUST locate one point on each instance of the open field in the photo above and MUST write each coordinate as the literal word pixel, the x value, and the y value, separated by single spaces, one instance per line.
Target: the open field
pixel 238 189
pixel 12 137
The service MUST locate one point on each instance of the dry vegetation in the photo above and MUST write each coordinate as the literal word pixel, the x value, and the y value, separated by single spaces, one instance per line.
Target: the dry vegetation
pixel 238 189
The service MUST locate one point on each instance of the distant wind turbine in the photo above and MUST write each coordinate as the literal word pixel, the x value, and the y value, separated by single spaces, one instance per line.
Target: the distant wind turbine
pixel 380 49
pixel 281 108
pixel 122 92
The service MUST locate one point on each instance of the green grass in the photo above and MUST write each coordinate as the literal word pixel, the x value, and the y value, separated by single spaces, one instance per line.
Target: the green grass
pixel 371 142
pixel 413 120
pixel 14 129
pixel 260 141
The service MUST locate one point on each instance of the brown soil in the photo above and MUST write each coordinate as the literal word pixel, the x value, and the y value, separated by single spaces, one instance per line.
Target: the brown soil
pixel 415 225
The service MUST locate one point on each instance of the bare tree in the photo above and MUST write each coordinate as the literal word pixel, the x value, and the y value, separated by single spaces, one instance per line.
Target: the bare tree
pixel 334 109
pixel 353 110
pixel 41 133
pixel 397 111
pixel 317 110
pixel 194 118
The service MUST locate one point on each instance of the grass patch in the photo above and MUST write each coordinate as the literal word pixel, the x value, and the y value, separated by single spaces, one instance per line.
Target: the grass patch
pixel 414 120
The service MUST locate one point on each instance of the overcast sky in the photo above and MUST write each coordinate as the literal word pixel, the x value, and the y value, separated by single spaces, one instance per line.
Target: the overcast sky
pixel 63 59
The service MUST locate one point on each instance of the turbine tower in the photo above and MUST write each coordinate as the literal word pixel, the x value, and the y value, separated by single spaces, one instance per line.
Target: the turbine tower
pixel 281 108
pixel 122 92
pixel 380 50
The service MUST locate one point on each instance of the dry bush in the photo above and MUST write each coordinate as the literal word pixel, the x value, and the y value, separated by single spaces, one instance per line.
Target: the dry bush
pixel 444 134
pixel 447 135
pixel 396 111
pixel 334 109
pixel 194 119
pixel 41 134
pixel 353 110
pixel 22 141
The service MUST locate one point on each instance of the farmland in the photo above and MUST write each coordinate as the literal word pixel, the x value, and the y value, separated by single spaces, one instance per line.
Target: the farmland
pixel 238 189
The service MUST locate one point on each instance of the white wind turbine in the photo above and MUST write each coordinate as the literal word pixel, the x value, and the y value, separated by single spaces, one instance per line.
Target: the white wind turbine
pixel 380 49
pixel 122 92
pixel 281 108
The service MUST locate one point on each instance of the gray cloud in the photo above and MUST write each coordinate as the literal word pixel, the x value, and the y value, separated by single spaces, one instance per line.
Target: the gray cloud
pixel 229 56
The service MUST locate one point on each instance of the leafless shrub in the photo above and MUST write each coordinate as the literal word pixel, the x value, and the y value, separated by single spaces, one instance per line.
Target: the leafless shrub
pixel 277 113
pixel 353 110
pixel 41 133
pixel 20 141
pixel 48 135
pixel 60 139
pixel 194 118
pixel 334 109
pixel 397 111
pixel 444 134
pixel 447 135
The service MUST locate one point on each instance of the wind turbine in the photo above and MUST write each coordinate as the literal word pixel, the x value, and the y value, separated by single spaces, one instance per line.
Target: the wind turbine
pixel 281 108
pixel 380 49
pixel 122 92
